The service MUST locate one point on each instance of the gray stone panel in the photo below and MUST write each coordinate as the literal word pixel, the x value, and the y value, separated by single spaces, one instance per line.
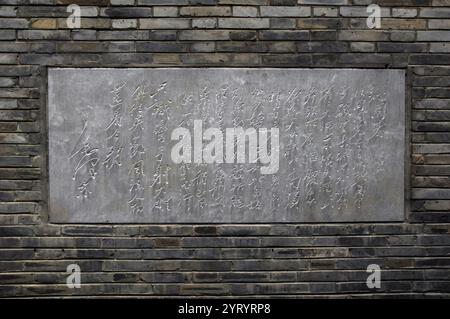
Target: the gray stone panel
pixel 341 145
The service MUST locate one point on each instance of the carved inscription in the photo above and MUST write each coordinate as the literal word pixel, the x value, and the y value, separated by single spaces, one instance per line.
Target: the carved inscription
pixel 340 136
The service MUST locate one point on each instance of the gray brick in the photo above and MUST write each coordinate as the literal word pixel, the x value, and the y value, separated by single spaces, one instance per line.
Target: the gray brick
pixel 320 23
pixel 7 34
pixel 121 2
pixel 439 24
pixel 245 11
pixel 41 11
pixel 84 34
pixel 285 11
pixel 403 36
pixel 404 13
pixel 8 58
pixel 435 12
pixel 203 35
pixel 244 23
pixel 325 11
pixel 126 12
pixel 43 35
pixel 282 23
pixel 323 2
pixel 284 35
pixel 8 11
pixel 123 35
pixel 124 24
pixel 430 193
pixel 204 23
pixel 442 47
pixel 6 23
pixel 362 46
pixel 363 35
pixel 160 47
pixel 402 47
pixel 164 23
pixel 288 59
pixel 162 2
pixel 205 11
pixel 203 47
pixel 13 46
pixel 433 36
pixel 243 35
pixel 165 11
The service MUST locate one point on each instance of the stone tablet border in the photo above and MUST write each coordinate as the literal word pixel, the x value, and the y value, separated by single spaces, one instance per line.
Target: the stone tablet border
pixel 406 155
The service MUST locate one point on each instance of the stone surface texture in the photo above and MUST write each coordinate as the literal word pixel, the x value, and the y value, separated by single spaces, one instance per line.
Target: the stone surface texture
pixel 339 146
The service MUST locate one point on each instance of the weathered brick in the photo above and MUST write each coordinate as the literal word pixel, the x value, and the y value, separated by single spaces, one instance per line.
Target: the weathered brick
pixel 6 23
pixel 404 13
pixel 125 35
pixel 8 58
pixel 439 24
pixel 43 35
pixel 243 23
pixel 325 11
pixel 245 11
pixel 203 35
pixel 7 34
pixel 121 2
pixel 126 12
pixel 363 35
pixel 164 23
pixel 43 23
pixel 320 23
pixel 162 2
pixel 243 35
pixel 165 11
pixel 433 36
pixel 205 11
pixel 8 11
pixel 13 46
pixel 401 47
pixel 204 23
pixel 362 46
pixel 403 36
pixel 435 12
pixel 283 23
pixel 124 24
pixel 160 47
pixel 281 11
pixel 84 35
pixel 284 35
pixel 323 2
pixel 440 47
pixel 203 47
pixel 297 59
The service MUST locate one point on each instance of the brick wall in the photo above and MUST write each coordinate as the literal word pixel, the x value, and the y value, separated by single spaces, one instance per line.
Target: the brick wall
pixel 241 260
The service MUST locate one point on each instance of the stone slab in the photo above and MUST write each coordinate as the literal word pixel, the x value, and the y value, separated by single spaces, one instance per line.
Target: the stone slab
pixel 341 145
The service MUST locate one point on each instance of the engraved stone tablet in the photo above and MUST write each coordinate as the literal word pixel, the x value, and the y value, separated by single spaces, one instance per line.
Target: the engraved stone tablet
pixel 225 145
